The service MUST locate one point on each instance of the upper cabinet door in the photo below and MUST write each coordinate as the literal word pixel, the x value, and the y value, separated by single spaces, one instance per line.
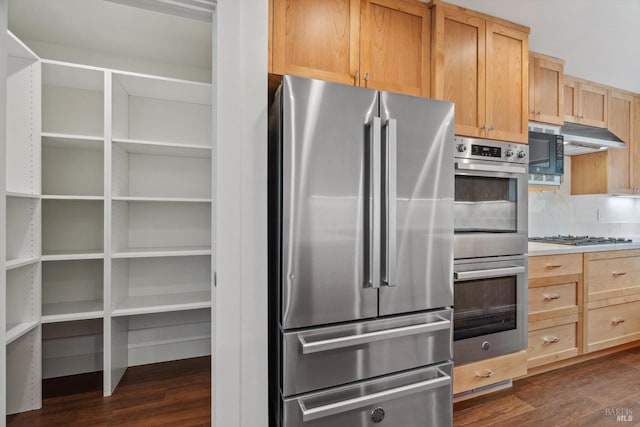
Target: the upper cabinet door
pixel 458 61
pixel 546 89
pixel 592 105
pixel 585 102
pixel 507 91
pixel 317 39
pixel 395 46
pixel 620 123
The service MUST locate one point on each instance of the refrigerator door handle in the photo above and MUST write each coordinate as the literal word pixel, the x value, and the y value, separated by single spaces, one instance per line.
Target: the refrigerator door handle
pixel 369 337
pixel 390 201
pixel 374 239
pixel 310 414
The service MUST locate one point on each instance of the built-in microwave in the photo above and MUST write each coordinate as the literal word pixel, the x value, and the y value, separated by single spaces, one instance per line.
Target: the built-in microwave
pixel 546 153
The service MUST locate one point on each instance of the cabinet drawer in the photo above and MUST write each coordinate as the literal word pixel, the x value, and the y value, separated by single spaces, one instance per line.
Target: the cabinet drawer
pixel 550 344
pixel 553 298
pixel 613 325
pixel 613 277
pixel 490 371
pixel 554 265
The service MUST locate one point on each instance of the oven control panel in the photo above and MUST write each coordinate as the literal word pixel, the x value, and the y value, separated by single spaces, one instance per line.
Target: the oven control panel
pixel 484 149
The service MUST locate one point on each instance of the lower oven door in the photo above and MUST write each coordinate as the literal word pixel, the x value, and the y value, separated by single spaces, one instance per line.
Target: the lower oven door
pixel 490 209
pixel 418 398
pixel 490 308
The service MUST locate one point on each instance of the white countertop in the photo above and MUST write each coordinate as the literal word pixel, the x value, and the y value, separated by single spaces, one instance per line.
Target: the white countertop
pixel 536 248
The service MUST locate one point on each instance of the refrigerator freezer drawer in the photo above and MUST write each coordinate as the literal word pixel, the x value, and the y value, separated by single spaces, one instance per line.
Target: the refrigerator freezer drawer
pixel 332 356
pixel 417 398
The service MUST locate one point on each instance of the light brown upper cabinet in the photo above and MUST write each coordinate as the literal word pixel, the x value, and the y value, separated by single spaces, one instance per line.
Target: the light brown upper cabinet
pixel 546 90
pixel 609 171
pixel 635 145
pixel 481 64
pixel 380 44
pixel 585 102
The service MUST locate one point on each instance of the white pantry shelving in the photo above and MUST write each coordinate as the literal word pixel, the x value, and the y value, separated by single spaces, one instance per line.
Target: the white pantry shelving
pixel 109 222
pixel 22 268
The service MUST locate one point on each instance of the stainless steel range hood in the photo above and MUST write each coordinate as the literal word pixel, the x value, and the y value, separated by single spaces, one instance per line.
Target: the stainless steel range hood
pixel 582 139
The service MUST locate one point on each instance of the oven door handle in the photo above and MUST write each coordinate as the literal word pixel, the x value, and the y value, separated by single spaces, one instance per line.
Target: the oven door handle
pixel 490 168
pixel 487 274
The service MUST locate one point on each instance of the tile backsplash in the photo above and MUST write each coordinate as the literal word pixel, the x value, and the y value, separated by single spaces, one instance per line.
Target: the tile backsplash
pixel 558 212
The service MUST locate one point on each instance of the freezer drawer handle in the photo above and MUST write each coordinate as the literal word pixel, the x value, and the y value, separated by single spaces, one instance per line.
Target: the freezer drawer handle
pixel 359 402
pixel 487 274
pixel 353 340
pixel 490 168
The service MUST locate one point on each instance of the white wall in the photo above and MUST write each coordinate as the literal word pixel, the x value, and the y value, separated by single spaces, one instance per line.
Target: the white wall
pixel 240 298
pixel 3 210
pixel 558 212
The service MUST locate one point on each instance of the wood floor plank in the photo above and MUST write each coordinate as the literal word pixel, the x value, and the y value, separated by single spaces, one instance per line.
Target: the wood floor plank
pixel 179 394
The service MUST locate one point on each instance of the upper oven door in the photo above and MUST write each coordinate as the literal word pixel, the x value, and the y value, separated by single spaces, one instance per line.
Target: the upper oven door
pixel 490 209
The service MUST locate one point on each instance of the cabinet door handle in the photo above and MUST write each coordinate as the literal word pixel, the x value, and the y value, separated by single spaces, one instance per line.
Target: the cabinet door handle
pixel 616 274
pixel 550 340
pixel 484 126
pixel 533 111
pixel 549 297
pixel 490 129
pixel 356 75
pixel 617 321
pixel 366 79
pixel 553 266
pixel 539 112
pixel 580 116
pixel 488 373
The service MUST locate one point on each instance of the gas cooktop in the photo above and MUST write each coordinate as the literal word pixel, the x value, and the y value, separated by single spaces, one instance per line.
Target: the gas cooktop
pixel 579 240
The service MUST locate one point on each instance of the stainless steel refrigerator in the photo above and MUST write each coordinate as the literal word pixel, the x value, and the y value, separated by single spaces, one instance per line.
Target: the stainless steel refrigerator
pixel 361 257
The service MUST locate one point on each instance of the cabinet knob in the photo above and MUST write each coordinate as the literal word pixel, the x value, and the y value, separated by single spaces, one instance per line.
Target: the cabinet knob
pixel 550 297
pixel 617 321
pixel 487 373
pixel 539 112
pixel 484 126
pixel 490 129
pixel 550 339
pixel 580 116
pixel 356 75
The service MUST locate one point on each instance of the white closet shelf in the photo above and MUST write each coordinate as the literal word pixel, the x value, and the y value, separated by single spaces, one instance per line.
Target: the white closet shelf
pixel 72 310
pixel 69 197
pixel 161 199
pixel 20 262
pixel 162 252
pixel 70 75
pixel 72 255
pixel 67 140
pixel 162 148
pixel 147 304
pixel 22 195
pixel 166 88
pixel 17 49
pixel 16 330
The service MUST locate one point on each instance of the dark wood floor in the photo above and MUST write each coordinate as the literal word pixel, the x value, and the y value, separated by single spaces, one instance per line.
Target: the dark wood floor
pixel 163 394
pixel 591 393
pixel 178 393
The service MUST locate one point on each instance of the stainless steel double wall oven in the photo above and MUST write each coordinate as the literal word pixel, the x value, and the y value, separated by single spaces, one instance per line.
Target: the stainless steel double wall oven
pixel 490 246
pixel 361 257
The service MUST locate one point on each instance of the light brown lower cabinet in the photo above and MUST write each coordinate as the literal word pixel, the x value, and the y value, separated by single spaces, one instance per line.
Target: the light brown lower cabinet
pixel 490 371
pixel 552 340
pixel 611 325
